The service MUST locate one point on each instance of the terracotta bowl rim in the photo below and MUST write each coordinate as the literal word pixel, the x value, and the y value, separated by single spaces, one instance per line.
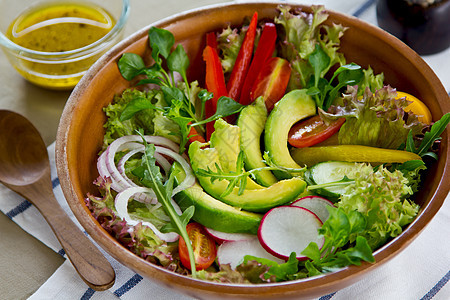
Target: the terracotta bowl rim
pixel 320 283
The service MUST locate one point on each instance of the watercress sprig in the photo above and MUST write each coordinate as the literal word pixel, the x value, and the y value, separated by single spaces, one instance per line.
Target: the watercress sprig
pixel 180 105
pixel 324 91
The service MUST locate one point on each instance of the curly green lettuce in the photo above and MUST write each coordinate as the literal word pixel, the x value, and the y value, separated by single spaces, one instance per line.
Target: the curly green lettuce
pixel 370 80
pixel 229 42
pixel 375 119
pixel 301 33
pixel 151 121
pixel 116 128
pixel 382 197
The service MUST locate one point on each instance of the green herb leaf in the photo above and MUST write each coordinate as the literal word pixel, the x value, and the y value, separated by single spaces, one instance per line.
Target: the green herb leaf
pixel 136 105
pixel 339 231
pixel 345 68
pixel 431 136
pixel 204 96
pixel 130 65
pixel 225 107
pixel 161 41
pixel 187 214
pixel 152 177
pixel 173 93
pixel 320 61
pixel 410 165
pixel 312 251
pixel 410 146
pixel 279 272
pixel 178 61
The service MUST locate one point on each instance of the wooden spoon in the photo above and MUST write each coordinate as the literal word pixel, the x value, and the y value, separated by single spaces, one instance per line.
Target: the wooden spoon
pixel 25 169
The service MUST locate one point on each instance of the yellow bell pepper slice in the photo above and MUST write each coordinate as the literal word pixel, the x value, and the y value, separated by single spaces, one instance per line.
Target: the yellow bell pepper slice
pixel 354 153
pixel 417 107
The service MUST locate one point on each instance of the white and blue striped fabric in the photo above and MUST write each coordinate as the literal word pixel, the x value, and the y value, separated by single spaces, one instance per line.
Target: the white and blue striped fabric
pixel 421 271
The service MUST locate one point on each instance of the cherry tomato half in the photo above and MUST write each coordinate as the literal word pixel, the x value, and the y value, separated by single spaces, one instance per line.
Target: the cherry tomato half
pixel 312 131
pixel 271 81
pixel 204 247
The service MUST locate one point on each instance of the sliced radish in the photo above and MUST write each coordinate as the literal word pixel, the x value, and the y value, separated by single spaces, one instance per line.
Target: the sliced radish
pixel 221 237
pixel 233 252
pixel 287 229
pixel 316 204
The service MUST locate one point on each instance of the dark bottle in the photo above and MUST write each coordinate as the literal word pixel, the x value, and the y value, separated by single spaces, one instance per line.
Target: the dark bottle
pixel 424 25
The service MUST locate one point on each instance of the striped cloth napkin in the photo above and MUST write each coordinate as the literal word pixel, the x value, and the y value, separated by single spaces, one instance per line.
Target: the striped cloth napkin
pixel 421 271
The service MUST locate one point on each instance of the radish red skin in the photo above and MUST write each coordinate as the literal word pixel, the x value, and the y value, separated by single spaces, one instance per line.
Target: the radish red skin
pixel 300 213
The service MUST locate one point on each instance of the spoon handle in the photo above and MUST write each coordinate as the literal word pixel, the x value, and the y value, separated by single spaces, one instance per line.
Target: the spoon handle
pixel 89 262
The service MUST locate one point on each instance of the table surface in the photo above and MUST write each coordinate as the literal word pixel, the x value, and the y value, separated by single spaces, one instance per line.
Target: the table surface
pixel 28 262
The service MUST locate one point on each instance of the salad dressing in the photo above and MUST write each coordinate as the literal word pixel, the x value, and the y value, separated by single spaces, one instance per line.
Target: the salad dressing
pixel 63 33
pixel 47 28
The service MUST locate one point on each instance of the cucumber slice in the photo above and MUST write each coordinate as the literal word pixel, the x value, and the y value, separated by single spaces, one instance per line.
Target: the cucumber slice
pixel 330 171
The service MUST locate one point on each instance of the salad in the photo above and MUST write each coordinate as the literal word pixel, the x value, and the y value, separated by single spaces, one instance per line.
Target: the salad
pixel 284 162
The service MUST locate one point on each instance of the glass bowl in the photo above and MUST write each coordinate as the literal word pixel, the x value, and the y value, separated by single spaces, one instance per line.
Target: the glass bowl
pixel 63 69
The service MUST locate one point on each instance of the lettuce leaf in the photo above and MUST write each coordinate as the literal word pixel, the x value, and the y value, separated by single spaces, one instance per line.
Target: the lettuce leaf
pixel 229 42
pixel 382 198
pixel 151 121
pixel 370 80
pixel 377 119
pixel 116 128
pixel 302 32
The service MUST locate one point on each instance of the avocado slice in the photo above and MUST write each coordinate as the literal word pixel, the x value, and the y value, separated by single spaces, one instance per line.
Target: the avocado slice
pixel 227 140
pixel 213 213
pixel 251 121
pixel 293 107
pixel 255 200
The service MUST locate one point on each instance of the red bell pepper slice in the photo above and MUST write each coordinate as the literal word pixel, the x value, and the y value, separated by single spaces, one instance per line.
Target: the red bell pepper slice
pixel 215 83
pixel 211 40
pixel 264 51
pixel 195 136
pixel 242 63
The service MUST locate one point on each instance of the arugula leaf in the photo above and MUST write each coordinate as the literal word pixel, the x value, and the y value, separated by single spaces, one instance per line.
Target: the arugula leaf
pixel 431 136
pixel 152 177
